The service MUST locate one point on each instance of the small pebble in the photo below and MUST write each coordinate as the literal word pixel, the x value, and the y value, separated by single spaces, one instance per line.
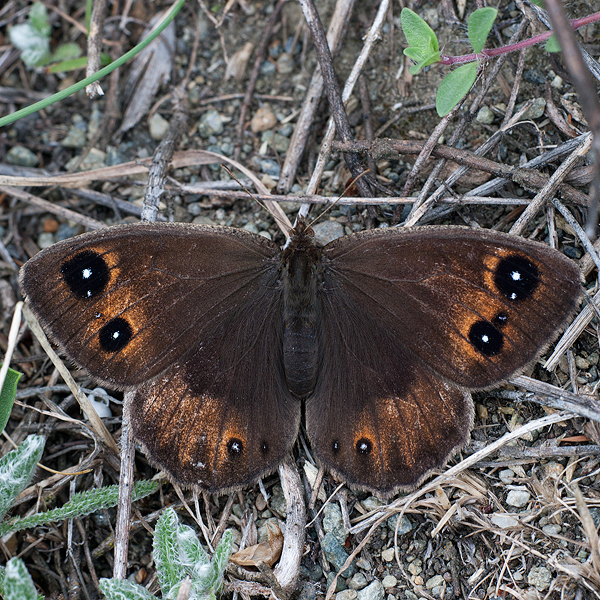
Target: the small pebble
pixel 388 555
pixel 435 581
pixel 503 521
pixel 211 123
pixel 357 582
pixel 51 225
pixel 158 127
pixel 333 523
pixel 374 591
pixel 485 115
pixel 260 503
pixel 336 554
pixel 534 111
pixel 370 503
pixel 76 138
pixel 506 476
pixel 540 578
pixel 45 240
pixel 21 156
pixel 415 567
pixel 347 595
pixel 405 525
pixel 325 232
pixel 285 64
pixel 389 581
pixel 518 497
pixel 264 118
pixel 552 529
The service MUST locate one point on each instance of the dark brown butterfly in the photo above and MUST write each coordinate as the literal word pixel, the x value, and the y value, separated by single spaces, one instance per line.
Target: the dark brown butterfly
pixel 381 334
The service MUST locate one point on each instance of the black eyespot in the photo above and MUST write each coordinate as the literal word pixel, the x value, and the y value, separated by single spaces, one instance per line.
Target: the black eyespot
pixel 115 335
pixel 486 338
pixel 264 448
pixel 501 319
pixel 335 446
pixel 86 274
pixel 516 278
pixel 364 446
pixel 235 447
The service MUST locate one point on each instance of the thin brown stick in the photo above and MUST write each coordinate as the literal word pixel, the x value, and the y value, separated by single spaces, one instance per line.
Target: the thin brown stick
pixel 339 19
pixel 334 95
pixel 261 52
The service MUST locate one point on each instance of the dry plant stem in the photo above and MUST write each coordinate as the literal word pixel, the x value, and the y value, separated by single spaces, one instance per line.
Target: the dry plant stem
pixel 65 213
pixel 422 205
pixel 373 36
pixel 86 406
pixel 510 107
pixel 555 116
pixel 423 158
pixel 116 204
pixel 184 589
pixel 583 319
pixel 588 526
pixel 546 158
pixel 401 504
pixel 551 186
pixel 288 568
pixel 334 94
pixel 547 394
pixel 528 178
pixel 261 53
pixel 94 46
pixel 12 342
pixel 583 238
pixel 528 455
pixel 587 95
pixel 163 156
pixel 339 20
pixel 122 526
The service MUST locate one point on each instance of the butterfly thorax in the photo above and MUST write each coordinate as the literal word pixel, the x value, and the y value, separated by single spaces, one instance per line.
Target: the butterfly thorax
pixel 299 264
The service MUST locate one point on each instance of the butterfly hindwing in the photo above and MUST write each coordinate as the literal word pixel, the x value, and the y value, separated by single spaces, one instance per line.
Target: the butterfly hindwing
pixel 223 416
pixel 377 418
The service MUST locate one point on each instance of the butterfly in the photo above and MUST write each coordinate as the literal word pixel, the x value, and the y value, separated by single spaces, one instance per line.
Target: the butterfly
pixel 376 339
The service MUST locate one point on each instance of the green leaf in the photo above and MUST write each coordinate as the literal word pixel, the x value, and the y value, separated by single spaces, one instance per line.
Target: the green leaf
pixel 552 44
pixel 191 553
pixel 423 45
pixel 38 17
pixel 18 584
pixel 165 552
pixel 7 396
pixel 66 52
pixel 122 589
pixel 34 46
pixel 16 469
pixel 81 504
pixel 32 38
pixel 76 63
pixel 220 560
pixel 479 26
pixel 454 87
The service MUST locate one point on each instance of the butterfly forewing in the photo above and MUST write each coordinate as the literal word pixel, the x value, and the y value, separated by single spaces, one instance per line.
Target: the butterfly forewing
pixel 127 302
pixel 473 306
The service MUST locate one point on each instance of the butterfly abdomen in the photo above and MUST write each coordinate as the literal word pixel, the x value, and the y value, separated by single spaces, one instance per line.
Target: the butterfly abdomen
pixel 300 315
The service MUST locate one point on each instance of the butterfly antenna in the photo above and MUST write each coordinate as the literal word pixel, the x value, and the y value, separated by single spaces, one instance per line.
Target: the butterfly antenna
pixel 343 194
pixel 259 202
